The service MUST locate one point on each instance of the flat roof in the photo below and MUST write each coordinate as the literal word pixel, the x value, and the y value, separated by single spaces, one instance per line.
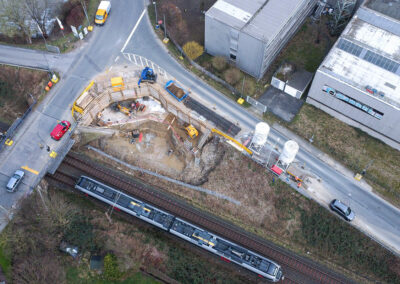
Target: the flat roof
pixel 367 55
pixel 267 17
pixel 390 8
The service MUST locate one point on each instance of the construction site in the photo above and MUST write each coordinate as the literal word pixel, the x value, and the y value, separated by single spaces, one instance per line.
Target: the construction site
pixel 152 122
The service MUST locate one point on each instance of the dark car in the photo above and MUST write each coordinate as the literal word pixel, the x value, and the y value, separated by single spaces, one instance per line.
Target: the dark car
pixel 342 209
pixel 60 130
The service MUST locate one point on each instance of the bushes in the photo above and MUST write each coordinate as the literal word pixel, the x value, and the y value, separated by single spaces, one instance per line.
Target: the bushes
pixel 80 233
pixel 333 238
pixel 219 63
pixel 111 271
pixel 193 49
pixel 232 75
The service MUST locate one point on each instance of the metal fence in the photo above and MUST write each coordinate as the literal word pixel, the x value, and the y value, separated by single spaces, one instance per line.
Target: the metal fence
pixel 53 48
pixel 256 104
pixel 9 133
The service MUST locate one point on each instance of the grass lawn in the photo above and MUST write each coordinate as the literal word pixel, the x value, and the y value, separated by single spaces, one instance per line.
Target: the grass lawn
pixel 5 262
pixel 352 147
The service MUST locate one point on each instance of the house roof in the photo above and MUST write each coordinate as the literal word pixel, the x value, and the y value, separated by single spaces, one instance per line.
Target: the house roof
pixel 261 19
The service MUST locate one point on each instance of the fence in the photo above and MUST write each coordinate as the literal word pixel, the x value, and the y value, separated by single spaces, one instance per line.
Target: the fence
pixel 53 48
pixel 259 106
pixel 15 125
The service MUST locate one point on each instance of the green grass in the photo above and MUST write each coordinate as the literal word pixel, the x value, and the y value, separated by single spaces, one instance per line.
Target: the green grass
pixel 5 261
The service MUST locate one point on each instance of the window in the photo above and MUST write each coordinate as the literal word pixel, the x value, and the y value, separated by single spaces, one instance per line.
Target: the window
pixel 367 109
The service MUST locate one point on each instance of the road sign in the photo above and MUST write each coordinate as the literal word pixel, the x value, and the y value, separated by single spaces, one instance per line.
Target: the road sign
pixel 74 30
pixel 60 24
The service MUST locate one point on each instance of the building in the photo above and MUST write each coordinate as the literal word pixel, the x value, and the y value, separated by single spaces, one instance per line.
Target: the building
pixel 252 33
pixel 359 80
pixel 293 82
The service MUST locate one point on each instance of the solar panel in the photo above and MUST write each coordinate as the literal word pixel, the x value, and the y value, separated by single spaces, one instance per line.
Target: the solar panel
pixel 369 56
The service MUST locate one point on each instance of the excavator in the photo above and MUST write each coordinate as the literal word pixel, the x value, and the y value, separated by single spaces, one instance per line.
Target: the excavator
pixel 147 75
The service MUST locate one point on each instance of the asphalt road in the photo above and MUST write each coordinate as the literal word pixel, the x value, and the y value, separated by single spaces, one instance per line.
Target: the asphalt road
pixel 375 216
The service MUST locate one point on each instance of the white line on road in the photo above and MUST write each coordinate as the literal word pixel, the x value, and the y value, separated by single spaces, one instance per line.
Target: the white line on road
pixel 116 59
pixel 134 29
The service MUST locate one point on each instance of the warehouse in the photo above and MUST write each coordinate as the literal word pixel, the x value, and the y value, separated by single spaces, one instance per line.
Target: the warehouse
pixel 252 33
pixel 359 80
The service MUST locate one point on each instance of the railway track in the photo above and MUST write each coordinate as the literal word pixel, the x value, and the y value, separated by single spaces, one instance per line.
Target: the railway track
pixel 296 269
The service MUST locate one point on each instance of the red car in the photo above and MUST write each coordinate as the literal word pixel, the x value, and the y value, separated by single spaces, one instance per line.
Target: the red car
pixel 60 130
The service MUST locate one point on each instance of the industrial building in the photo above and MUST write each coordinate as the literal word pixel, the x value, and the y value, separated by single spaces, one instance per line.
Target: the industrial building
pixel 359 80
pixel 252 33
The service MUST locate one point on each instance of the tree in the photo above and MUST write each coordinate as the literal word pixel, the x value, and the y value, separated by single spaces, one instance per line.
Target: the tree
pixel 193 49
pixel 14 19
pixel 39 11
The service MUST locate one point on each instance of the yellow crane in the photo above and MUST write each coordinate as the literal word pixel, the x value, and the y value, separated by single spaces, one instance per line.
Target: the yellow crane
pixel 233 140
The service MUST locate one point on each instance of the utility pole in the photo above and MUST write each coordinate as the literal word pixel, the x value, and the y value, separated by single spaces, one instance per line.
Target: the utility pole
pixel 45 43
pixel 84 10
pixel 165 28
pixel 155 9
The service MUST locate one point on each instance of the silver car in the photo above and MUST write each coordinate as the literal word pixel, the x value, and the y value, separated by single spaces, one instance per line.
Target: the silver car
pixel 343 210
pixel 15 181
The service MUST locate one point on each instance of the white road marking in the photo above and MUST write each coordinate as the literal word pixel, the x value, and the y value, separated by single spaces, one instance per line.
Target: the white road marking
pixel 134 29
pixel 116 59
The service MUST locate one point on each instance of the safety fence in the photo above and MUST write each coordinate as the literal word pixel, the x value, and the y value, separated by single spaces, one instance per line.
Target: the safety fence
pixel 102 94
pixel 256 104
pixel 9 133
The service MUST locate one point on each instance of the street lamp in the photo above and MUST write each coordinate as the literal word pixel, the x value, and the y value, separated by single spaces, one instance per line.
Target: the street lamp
pixel 45 43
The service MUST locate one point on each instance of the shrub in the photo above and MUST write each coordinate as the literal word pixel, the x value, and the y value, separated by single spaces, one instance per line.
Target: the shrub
pixel 249 86
pixel 80 233
pixel 193 49
pixel 219 63
pixel 111 271
pixel 232 75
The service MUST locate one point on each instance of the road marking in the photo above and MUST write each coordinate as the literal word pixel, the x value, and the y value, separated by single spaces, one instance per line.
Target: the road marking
pixel 134 29
pixel 116 59
pixel 29 169
pixel 109 69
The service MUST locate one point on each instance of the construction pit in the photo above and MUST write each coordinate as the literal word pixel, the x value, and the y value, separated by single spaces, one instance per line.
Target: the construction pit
pixel 146 127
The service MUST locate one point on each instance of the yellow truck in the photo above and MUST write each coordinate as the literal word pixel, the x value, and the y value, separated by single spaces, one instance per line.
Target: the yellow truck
pixel 102 12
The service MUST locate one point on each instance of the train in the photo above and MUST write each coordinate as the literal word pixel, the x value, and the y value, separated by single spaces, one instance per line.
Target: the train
pixel 217 245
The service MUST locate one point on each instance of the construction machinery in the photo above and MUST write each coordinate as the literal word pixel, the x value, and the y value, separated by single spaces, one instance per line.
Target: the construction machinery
pixel 147 75
pixel 175 90
pixel 123 109
pixel 192 131
pixel 237 143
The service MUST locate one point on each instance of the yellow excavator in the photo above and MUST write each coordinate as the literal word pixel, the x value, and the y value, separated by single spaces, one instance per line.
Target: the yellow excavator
pixel 192 131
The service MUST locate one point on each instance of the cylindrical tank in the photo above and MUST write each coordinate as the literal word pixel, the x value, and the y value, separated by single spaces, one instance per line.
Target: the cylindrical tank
pixel 261 134
pixel 289 152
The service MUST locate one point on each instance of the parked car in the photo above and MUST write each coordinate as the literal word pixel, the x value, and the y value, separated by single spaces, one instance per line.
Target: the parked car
pixel 15 180
pixel 342 209
pixel 60 130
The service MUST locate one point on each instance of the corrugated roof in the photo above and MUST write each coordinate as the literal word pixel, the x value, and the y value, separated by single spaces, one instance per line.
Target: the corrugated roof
pixel 268 17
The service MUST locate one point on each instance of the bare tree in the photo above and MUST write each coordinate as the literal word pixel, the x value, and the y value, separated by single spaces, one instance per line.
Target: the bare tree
pixel 39 11
pixel 14 19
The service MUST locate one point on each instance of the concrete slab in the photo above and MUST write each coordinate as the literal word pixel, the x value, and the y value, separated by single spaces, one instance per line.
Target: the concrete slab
pixel 281 104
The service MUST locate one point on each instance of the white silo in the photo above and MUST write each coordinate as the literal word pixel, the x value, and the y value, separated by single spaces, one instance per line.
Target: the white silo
pixel 260 134
pixel 289 152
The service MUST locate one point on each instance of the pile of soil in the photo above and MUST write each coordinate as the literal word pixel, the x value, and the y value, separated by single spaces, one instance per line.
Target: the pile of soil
pixel 196 173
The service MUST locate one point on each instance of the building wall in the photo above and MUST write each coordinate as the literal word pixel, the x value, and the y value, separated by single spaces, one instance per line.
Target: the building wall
pixel 253 55
pixel 217 37
pixel 386 129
